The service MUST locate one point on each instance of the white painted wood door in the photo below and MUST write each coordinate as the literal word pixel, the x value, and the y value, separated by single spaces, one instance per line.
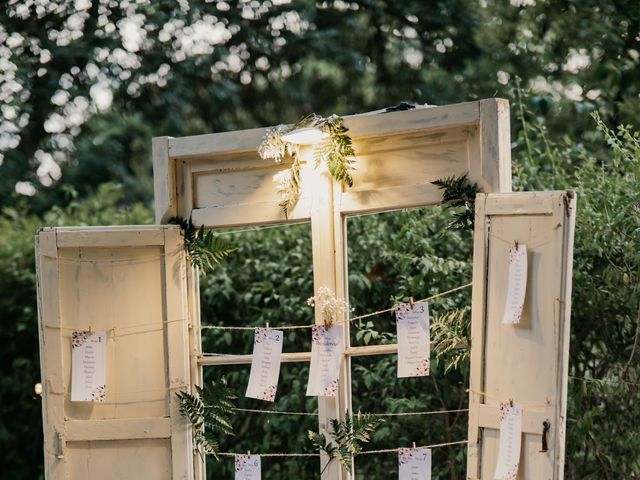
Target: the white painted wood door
pixel 132 283
pixel 526 362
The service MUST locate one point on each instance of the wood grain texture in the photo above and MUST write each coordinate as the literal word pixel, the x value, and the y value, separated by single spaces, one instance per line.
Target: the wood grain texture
pixel 130 282
pixel 220 180
pixel 164 180
pixel 528 361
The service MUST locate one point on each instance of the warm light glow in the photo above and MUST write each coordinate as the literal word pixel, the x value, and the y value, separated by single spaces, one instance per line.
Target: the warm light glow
pixel 305 136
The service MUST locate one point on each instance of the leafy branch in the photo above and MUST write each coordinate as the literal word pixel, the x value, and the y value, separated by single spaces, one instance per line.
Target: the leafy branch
pixel 346 437
pixel 459 192
pixel 208 413
pixel 336 152
pixel 204 249
pixel 451 338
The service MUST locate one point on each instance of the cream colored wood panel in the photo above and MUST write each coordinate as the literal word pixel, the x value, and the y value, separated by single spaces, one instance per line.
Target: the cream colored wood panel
pixel 219 180
pixel 164 180
pixel 526 362
pixel 119 460
pixel 222 188
pixel 98 286
pixel 118 429
pixel 107 280
pixel 408 160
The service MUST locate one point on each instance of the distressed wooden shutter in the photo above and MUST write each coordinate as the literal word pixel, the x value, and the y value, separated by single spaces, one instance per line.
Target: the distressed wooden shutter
pixel 131 282
pixel 527 362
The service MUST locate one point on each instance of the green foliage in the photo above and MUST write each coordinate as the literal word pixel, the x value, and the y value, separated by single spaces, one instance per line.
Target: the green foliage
pixel 346 437
pixel 209 413
pixel 204 249
pixel 606 288
pixel 452 338
pixel 459 193
pixel 335 152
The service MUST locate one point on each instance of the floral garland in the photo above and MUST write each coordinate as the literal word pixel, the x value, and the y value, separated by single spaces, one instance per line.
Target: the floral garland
pixel 335 152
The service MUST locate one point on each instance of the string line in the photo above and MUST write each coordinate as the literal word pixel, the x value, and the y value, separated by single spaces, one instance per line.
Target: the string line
pixel 407 414
pixel 391 450
pixel 398 414
pixel 441 294
pixel 502 400
pixel 352 319
pixel 366 452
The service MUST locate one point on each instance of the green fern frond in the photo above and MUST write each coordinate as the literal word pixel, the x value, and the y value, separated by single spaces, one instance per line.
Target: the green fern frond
pixel 451 337
pixel 336 152
pixel 459 193
pixel 204 249
pixel 346 437
pixel 209 413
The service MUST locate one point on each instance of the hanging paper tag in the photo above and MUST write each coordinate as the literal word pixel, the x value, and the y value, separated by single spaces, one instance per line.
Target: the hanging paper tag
pixel 414 464
pixel 516 284
pixel 327 348
pixel 414 343
pixel 88 366
pixel 265 364
pixel 510 437
pixel 248 467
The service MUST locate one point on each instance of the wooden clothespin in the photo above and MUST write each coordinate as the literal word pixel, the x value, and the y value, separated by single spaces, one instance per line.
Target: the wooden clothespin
pixel 411 303
pixel 248 453
pixel 511 402
pixel 267 325
pixel 414 445
pixel 517 244
pixel 90 331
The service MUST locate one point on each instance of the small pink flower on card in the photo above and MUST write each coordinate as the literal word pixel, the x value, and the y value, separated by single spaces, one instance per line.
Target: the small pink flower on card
pixel 505 409
pixel 513 253
pixel 317 331
pixel 78 337
pixel 269 394
pixel 331 390
pixel 401 311
pixel 404 455
pixel 261 335
pixel 513 472
pixel 99 394
pixel 423 369
pixel 241 460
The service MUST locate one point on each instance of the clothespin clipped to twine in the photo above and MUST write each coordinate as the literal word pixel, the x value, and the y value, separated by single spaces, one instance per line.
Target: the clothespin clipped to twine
pixel 517 244
pixel 267 325
pixel 90 330
pixel 411 305
pixel 414 445
pixel 248 453
pixel 511 402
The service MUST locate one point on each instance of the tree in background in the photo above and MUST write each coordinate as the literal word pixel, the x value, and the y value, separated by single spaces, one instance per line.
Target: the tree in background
pixel 85 84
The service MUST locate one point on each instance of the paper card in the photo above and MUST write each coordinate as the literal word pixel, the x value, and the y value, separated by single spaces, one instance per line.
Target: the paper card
pixel 516 284
pixel 414 464
pixel 414 343
pixel 248 467
pixel 510 437
pixel 327 348
pixel 265 364
pixel 88 366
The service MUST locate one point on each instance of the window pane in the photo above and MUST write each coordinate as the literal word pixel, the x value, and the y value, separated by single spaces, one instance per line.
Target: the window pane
pixel 394 256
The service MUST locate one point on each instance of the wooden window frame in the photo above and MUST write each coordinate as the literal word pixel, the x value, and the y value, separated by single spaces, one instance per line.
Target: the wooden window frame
pixel 470 137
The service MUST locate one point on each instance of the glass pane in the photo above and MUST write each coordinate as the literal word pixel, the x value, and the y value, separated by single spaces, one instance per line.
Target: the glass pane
pixel 394 256
pixel 269 433
pixel 268 280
